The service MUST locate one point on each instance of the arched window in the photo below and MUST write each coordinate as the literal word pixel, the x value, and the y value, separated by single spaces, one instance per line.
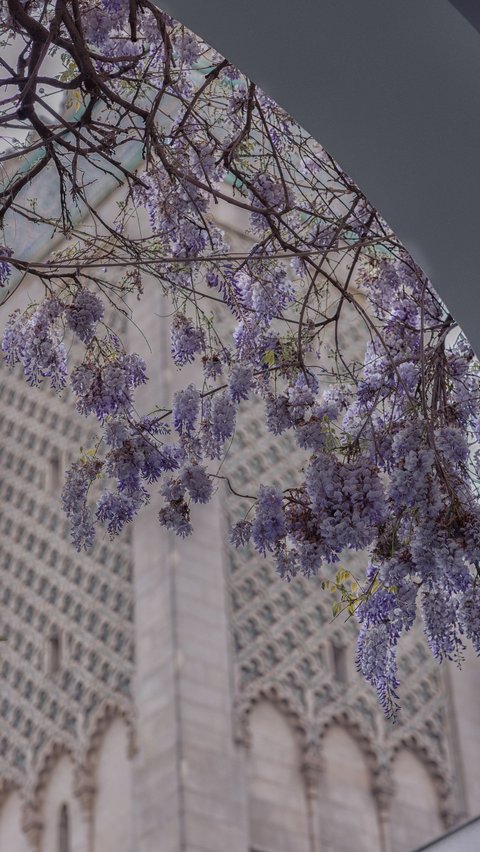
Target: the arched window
pixel 112 827
pixel 339 663
pixel 55 472
pixel 54 659
pixel 63 830
pixel 346 779
pixel 277 807
pixel 414 810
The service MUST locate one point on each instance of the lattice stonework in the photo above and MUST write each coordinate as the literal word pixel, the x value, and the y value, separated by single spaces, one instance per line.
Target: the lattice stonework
pixel 67 658
pixel 288 648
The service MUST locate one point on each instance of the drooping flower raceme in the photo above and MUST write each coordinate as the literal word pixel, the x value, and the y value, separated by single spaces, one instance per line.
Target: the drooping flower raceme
pixel 186 340
pixel 107 390
pixel 84 313
pixel 35 342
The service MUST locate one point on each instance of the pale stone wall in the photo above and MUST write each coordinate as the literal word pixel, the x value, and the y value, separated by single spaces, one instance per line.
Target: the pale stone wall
pixel 112 813
pixel 59 791
pixel 347 811
pixel 414 814
pixel 464 688
pixel 47 590
pixel 278 816
pixel 12 838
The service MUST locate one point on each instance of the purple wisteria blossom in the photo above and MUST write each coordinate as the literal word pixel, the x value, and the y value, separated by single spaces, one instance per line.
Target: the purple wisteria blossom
pixel 469 615
pixel 347 501
pixel 117 509
pixel 277 415
pixel 176 517
pixel 197 482
pixel 376 661
pixel 266 295
pixel 268 528
pixel 222 417
pixel 439 610
pixel 74 500
pixel 83 315
pixel 240 383
pixel 35 342
pixel 108 389
pixel 240 533
pixel 5 268
pixel 186 340
pixel 186 405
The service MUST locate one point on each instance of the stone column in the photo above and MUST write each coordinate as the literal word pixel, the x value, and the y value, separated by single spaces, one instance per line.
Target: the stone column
pixel 213 779
pixel 312 770
pixel 158 807
pixel 32 826
pixel 85 791
pixel 462 687
pixel 382 792
pixel 189 782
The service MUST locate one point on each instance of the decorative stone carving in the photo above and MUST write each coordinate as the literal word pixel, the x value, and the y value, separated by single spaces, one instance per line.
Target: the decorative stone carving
pixel 85 790
pixel 383 789
pixel 7 785
pixel 32 825
pixel 46 587
pixel 281 639
pixel 312 767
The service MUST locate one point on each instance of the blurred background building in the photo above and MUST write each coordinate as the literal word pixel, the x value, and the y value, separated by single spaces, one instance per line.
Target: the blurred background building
pixel 160 695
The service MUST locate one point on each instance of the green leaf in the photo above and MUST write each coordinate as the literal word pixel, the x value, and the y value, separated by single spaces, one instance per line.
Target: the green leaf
pixel 342 575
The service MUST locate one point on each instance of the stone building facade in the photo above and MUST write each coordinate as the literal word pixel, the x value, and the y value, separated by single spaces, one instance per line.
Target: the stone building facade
pixel 162 695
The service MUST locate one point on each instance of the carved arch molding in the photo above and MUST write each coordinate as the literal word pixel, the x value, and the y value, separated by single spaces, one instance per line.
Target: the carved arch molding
pixel 84 763
pixel 282 635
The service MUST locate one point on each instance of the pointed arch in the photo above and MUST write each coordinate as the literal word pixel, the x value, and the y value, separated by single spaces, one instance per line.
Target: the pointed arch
pixel 112 779
pixel 99 724
pixel 54 797
pixel 430 759
pixel 347 810
pixel 277 805
pixel 48 757
pixel 415 808
pixel 280 697
pixel 360 731
pixel 12 836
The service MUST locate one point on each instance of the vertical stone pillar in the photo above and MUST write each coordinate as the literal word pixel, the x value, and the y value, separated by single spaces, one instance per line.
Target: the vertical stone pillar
pixel 312 770
pixel 189 782
pixel 85 792
pixel 462 687
pixel 382 792
pixel 32 825
pixel 212 781
pixel 157 805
